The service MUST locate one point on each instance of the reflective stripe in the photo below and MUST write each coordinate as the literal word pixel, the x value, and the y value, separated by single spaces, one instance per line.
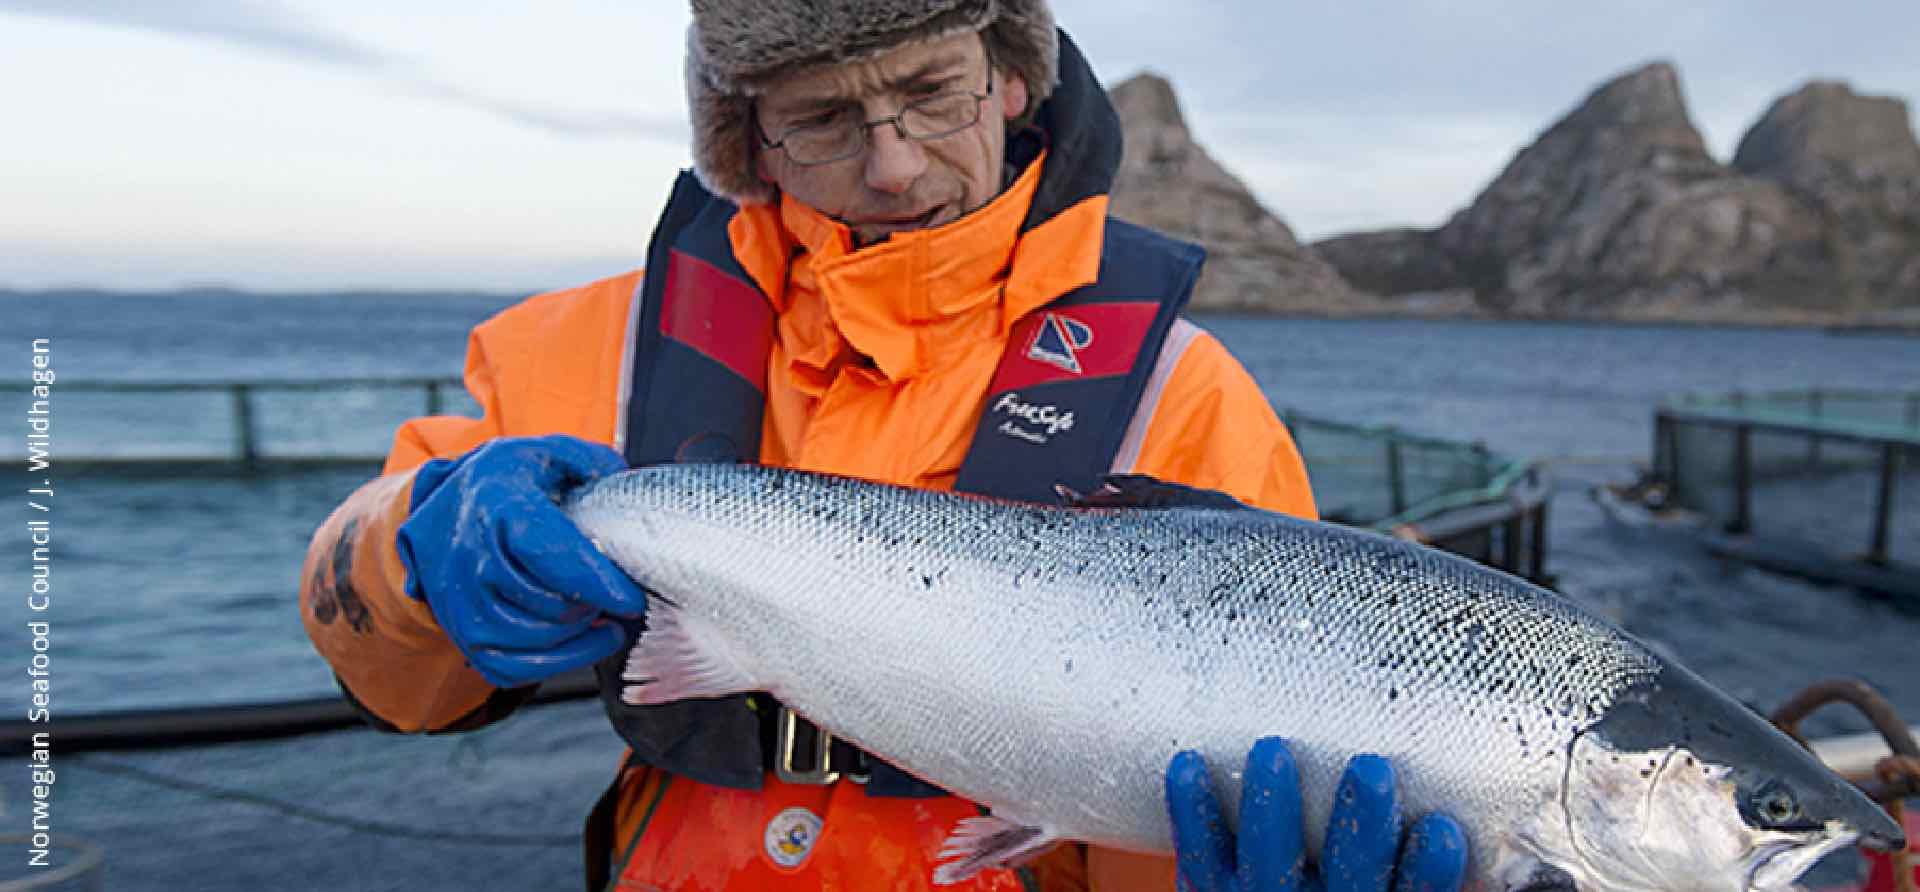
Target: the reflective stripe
pixel 626 365
pixel 1178 339
pixel 661 779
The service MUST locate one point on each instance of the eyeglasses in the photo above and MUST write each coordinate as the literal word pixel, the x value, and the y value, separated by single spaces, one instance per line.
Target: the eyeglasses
pixel 840 134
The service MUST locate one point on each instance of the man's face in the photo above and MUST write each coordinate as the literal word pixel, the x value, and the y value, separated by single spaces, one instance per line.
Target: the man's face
pixel 895 184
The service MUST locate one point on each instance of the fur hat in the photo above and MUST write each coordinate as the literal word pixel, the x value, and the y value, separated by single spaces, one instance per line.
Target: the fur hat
pixel 736 47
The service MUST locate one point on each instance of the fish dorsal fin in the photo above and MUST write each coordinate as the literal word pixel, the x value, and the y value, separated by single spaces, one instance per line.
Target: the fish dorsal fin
pixel 1142 491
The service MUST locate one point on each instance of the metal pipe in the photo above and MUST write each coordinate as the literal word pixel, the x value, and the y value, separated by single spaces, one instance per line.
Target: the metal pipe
pixel 1663 446
pixel 1510 544
pixel 1396 475
pixel 1539 568
pixel 1742 480
pixel 244 438
pixel 1898 775
pixel 1862 696
pixel 1815 407
pixel 1890 454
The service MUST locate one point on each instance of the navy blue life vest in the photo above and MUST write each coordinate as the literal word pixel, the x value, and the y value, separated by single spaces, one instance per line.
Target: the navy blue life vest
pixel 1056 412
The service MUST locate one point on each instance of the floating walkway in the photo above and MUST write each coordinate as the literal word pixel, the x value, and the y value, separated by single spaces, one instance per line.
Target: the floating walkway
pixel 1823 484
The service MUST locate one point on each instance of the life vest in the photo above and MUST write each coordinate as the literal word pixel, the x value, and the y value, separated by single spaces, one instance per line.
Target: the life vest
pixel 1057 411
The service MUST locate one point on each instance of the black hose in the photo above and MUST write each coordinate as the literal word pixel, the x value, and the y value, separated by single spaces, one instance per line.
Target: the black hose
pixel 152 729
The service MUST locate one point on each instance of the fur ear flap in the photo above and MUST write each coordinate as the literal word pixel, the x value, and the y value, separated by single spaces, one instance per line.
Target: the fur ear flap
pixel 722 119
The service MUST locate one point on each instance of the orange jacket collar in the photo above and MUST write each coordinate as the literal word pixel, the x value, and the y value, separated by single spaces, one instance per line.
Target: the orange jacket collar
pixel 885 301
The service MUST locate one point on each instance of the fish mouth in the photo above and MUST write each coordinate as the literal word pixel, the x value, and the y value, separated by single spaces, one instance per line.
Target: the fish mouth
pixel 1777 865
pixel 1890 838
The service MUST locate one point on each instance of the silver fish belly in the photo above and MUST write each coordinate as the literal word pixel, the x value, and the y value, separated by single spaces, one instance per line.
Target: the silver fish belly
pixel 1047 662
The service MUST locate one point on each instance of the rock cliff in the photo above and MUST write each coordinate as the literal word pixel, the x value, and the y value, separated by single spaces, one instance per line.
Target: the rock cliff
pixel 1167 182
pixel 1618 207
pixel 1853 159
pixel 1619 211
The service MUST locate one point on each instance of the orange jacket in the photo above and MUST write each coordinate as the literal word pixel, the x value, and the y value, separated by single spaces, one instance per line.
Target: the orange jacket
pixel 879 369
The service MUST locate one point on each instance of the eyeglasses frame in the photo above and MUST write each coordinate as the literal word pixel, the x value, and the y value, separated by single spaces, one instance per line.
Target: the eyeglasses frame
pixel 894 119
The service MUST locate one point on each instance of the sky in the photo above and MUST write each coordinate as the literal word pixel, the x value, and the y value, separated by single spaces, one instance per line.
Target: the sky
pixel 515 147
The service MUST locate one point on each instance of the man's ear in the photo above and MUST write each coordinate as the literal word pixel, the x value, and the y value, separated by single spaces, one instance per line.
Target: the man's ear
pixel 1013 88
pixel 762 167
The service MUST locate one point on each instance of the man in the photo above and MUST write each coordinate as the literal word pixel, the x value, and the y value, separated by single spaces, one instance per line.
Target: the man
pixel 895 263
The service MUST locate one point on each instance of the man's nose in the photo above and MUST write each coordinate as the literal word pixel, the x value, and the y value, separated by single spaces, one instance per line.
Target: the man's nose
pixel 894 162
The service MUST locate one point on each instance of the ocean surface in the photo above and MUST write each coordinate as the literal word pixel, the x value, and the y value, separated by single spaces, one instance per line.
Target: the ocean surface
pixel 176 589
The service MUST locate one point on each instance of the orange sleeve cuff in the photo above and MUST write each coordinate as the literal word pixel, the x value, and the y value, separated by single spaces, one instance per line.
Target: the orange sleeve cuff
pixel 385 646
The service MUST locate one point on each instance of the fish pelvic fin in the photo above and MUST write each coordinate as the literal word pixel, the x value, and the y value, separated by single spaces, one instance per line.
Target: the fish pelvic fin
pixel 986 842
pixel 679 657
pixel 1143 491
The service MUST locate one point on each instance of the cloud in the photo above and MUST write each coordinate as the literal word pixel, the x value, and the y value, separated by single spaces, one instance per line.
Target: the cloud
pixel 566 122
pixel 256 25
pixel 270 27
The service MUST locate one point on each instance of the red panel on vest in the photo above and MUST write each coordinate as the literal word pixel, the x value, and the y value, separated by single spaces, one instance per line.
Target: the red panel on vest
pixel 1074 343
pixel 719 316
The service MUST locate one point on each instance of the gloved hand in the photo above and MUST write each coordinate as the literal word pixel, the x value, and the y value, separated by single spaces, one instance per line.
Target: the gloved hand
pixel 515 585
pixel 1362 841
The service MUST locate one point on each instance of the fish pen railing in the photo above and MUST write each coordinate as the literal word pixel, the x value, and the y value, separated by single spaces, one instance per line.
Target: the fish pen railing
pixel 299 446
pixel 1458 496
pixel 250 423
pixel 1822 483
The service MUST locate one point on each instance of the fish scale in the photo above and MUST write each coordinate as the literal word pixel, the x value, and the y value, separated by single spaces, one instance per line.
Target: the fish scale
pixel 1047 661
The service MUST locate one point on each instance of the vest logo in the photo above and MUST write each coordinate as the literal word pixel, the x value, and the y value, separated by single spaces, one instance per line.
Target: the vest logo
pixel 790 836
pixel 1059 340
pixel 1041 423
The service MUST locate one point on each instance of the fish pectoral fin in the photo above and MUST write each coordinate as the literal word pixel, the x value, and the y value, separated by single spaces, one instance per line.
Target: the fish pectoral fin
pixel 679 657
pixel 1142 491
pixel 989 841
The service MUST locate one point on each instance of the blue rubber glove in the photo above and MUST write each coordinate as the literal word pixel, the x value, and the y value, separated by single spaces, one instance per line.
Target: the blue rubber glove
pixel 511 580
pixel 1363 837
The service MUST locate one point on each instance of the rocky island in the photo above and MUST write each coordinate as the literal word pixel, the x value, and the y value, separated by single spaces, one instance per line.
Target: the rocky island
pixel 1616 211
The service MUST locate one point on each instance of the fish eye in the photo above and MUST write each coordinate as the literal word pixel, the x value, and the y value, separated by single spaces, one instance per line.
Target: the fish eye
pixel 1774 807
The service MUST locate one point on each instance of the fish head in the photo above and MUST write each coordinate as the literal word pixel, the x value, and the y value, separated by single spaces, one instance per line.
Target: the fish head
pixel 1678 786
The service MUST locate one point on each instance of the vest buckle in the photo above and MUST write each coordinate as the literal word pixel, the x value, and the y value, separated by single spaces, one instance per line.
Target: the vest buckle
pixel 814 764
